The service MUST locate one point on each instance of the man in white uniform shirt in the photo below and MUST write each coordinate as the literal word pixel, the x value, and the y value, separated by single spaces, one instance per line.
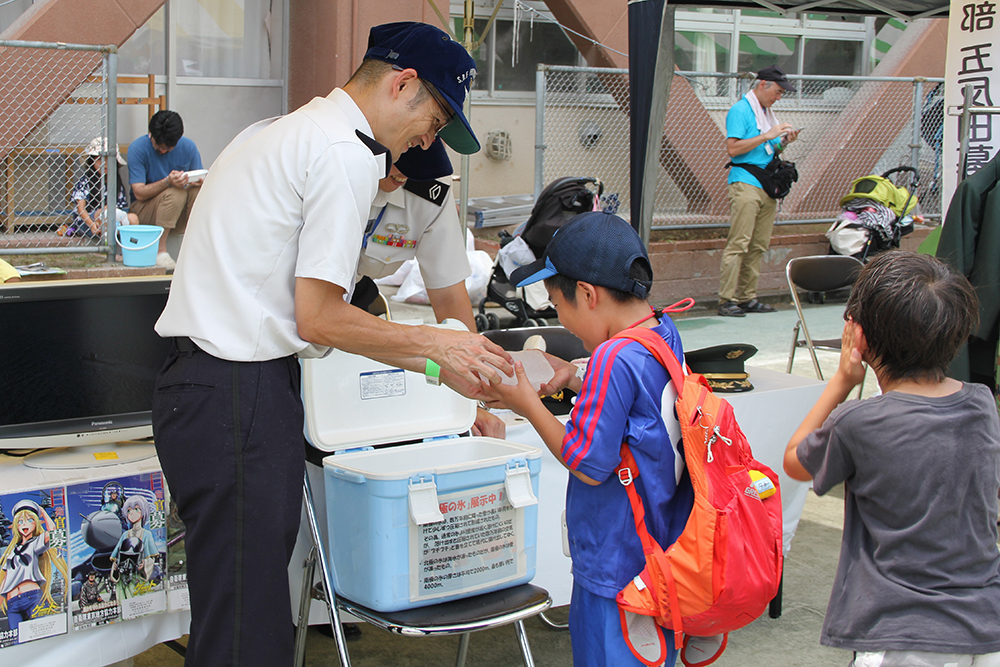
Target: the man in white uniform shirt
pixel 264 277
pixel 414 216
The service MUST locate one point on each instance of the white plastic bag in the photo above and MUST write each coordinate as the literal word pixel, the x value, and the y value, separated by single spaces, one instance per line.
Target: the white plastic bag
pixel 412 289
pixel 482 269
pixel 397 278
pixel 514 255
pixel 846 236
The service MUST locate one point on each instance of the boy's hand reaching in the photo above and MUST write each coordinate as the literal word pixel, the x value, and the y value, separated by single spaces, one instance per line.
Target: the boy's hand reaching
pixel 565 374
pixel 520 397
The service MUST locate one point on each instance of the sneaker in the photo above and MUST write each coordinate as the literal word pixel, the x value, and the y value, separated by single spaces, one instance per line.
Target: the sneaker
pixel 698 651
pixel 730 309
pixel 165 260
pixel 755 306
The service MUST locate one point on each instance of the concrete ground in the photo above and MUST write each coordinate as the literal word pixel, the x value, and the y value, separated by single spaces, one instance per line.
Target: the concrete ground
pixel 789 641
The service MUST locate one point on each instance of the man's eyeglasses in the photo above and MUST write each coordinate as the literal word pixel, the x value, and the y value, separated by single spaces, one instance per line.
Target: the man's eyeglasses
pixel 441 102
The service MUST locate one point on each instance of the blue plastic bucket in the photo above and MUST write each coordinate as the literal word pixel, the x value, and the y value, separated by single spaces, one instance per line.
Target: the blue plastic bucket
pixel 138 244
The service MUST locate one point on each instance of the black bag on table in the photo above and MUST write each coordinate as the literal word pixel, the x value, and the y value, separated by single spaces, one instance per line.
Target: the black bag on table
pixel 776 178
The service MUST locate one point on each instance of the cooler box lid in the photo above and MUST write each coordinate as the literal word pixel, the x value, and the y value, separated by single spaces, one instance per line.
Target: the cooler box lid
pixel 352 401
pixel 440 457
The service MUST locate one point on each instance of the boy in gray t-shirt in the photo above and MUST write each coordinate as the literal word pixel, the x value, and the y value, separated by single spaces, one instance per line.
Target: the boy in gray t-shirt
pixel 918 580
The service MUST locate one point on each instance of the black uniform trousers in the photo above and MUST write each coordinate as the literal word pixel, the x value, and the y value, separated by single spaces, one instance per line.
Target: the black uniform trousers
pixel 229 439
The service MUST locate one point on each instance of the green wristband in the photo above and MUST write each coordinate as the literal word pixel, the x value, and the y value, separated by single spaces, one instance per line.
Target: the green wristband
pixel 432 373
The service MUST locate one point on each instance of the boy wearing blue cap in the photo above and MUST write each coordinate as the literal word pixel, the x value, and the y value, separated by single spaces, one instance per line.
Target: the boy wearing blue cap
pixel 597 274
pixel 264 279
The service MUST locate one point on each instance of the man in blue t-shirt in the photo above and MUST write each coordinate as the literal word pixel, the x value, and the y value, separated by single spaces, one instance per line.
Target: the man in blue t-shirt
pixel 158 163
pixel 753 136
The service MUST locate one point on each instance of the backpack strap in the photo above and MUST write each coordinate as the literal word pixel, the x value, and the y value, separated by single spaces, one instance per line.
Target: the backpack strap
pixel 658 347
pixel 627 472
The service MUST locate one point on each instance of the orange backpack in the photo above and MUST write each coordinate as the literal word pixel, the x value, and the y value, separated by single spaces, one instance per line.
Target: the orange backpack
pixel 725 567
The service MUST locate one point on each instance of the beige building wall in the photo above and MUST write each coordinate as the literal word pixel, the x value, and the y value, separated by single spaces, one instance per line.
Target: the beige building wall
pixel 516 176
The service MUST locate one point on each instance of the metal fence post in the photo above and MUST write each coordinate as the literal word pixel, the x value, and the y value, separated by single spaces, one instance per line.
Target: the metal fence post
pixel 111 212
pixel 539 129
pixel 918 99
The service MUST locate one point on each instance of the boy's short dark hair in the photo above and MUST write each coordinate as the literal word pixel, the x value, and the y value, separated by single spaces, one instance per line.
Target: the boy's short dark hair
pixel 915 313
pixel 166 127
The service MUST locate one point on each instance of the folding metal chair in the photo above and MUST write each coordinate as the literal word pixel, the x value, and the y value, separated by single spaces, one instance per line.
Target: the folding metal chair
pixel 817 273
pixel 481 612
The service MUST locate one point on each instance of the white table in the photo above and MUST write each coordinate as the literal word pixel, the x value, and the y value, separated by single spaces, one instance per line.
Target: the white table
pixel 100 645
pixel 768 416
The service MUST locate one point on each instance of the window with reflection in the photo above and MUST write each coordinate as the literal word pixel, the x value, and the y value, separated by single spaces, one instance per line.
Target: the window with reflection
pixel 757 51
pixel 237 39
pixel 507 59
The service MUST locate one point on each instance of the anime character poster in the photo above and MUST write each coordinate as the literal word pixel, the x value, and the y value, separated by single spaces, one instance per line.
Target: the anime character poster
pixel 117 548
pixel 34 577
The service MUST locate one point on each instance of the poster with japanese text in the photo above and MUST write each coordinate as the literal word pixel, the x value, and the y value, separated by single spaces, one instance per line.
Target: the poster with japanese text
pixel 479 546
pixel 973 60
pixel 117 548
pixel 34 576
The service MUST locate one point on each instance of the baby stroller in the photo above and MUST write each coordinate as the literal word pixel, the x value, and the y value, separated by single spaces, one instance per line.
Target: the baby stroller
pixel 876 214
pixel 562 199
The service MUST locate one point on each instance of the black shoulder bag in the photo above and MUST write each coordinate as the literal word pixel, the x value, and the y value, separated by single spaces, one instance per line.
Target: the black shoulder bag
pixel 776 178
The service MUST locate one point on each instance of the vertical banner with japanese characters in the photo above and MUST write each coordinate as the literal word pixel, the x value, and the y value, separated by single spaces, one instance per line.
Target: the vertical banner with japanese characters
pixel 973 59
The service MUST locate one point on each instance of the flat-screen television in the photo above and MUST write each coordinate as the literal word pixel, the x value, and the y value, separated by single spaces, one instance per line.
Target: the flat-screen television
pixel 78 361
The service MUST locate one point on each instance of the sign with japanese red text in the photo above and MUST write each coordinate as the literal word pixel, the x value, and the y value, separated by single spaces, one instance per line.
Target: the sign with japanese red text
pixel 973 59
pixel 480 543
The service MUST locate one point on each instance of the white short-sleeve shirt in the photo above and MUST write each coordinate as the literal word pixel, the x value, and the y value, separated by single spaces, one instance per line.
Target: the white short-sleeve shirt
pixel 288 198
pixel 413 226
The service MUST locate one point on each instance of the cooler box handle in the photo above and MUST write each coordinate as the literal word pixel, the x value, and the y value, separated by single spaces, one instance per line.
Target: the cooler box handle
pixel 517 481
pixel 353 477
pixel 423 501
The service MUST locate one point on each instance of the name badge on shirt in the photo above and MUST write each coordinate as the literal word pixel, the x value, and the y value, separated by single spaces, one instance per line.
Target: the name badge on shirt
pixel 768 148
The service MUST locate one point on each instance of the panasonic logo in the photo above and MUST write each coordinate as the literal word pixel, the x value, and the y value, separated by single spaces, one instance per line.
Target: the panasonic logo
pixel 109 422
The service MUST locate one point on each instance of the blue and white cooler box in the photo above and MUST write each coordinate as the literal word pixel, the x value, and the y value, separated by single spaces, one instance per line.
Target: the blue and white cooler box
pixel 411 525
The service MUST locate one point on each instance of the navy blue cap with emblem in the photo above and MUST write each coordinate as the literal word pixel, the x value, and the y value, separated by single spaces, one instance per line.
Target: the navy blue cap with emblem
pixel 418 164
pixel 438 60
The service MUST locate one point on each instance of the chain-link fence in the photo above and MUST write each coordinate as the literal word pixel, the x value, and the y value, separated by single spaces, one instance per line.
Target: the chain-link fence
pixel 55 118
pixel 852 127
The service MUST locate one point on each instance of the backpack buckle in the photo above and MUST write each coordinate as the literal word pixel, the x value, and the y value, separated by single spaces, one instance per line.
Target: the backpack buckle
pixel 625 476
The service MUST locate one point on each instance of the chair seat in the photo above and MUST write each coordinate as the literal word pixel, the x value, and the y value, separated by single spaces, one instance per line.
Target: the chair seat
pixel 479 612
